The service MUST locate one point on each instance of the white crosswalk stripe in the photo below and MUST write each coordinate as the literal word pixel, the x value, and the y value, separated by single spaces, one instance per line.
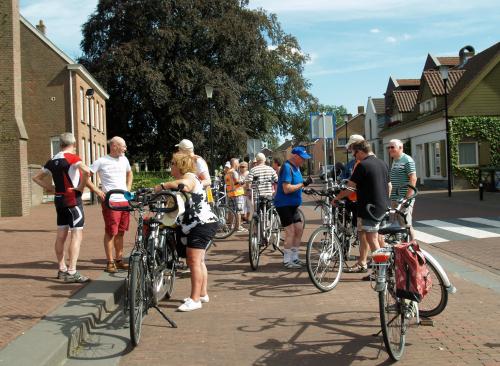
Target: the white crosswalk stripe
pixel 480 220
pixel 465 230
pixel 428 238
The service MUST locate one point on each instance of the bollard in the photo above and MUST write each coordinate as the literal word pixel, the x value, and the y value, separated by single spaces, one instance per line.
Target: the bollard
pixel 481 191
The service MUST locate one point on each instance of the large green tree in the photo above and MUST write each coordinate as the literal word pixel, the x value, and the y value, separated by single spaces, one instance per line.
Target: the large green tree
pixel 155 57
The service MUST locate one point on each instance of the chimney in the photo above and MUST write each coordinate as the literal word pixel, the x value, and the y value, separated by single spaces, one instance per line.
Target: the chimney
pixel 41 27
pixel 361 109
pixel 465 54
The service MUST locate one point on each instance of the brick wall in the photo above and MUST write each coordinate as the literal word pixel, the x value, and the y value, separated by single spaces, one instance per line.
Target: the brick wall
pixel 14 187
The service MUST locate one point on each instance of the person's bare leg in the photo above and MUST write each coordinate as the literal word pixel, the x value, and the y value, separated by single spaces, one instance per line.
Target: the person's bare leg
pixel 108 246
pixel 62 234
pixel 204 272
pixel 118 243
pixel 289 236
pixel 74 248
pixel 372 239
pixel 363 249
pixel 194 257
pixel 381 242
pixel 297 236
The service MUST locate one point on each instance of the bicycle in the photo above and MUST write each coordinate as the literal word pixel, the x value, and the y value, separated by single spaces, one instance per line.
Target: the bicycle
pixel 396 312
pixel 265 226
pixel 153 260
pixel 225 214
pixel 324 253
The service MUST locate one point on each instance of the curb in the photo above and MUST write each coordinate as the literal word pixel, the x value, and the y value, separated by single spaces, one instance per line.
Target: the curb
pixel 58 335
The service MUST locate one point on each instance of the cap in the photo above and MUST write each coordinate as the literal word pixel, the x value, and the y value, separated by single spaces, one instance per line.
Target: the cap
pixel 260 157
pixel 227 165
pixel 301 151
pixel 354 139
pixel 185 145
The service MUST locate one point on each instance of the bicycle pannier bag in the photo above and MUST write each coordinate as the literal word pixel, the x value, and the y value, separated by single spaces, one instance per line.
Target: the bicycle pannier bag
pixel 413 279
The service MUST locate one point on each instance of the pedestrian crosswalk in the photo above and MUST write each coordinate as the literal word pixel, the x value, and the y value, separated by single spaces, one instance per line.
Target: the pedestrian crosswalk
pixel 440 231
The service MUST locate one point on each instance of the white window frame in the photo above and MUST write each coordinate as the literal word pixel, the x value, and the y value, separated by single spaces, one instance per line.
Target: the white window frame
pixel 433 159
pixel 82 105
pixel 88 153
pixel 102 118
pixel 83 156
pixel 476 150
pixel 56 140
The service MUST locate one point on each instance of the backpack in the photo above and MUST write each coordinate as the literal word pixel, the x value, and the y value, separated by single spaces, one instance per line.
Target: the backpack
pixel 413 279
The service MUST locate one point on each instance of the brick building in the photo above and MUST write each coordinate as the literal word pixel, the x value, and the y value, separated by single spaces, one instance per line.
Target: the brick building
pixel 43 94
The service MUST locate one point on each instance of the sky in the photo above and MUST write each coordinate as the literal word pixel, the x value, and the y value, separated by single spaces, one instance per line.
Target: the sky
pixel 353 46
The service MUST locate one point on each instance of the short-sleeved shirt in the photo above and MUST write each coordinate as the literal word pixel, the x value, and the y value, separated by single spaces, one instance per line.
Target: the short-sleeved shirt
pixel 201 166
pixel 289 173
pixel 266 176
pixel 372 178
pixel 113 174
pixel 66 176
pixel 400 171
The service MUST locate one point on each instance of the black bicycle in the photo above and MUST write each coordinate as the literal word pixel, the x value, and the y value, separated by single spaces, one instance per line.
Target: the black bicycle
pixel 152 263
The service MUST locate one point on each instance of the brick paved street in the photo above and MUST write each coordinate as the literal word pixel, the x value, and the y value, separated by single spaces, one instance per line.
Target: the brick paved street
pixel 267 317
pixel 28 287
pixel 277 317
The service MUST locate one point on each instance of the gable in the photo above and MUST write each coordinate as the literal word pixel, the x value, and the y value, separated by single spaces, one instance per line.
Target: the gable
pixel 484 99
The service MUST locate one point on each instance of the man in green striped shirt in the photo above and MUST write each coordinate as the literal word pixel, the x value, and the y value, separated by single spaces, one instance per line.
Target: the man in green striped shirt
pixel 403 172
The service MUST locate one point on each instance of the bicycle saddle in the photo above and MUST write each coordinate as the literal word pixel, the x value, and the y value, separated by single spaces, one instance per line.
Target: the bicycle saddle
pixel 393 228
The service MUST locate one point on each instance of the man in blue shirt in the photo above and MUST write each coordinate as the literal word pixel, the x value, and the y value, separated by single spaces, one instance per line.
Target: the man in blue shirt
pixel 287 201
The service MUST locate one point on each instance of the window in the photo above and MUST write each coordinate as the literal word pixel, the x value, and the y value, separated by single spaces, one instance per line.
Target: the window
pixel 82 104
pixel 467 154
pixel 82 150
pixel 428 105
pixel 102 118
pixel 341 141
pixel 54 145
pixel 92 112
pixel 95 151
pixel 435 161
pixel 102 150
pixel 87 111
pixel 97 115
pixel 89 158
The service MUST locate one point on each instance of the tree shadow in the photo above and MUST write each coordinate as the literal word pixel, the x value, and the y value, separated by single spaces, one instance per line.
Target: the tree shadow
pixel 341 334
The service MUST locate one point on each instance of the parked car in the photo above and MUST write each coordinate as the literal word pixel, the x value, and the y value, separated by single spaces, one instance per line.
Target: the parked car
pixel 322 172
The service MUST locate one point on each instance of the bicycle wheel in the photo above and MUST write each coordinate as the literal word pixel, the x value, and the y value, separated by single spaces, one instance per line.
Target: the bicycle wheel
pixel 169 275
pixel 436 300
pixel 274 239
pixel 136 298
pixel 392 321
pixel 254 243
pixel 324 259
pixel 227 221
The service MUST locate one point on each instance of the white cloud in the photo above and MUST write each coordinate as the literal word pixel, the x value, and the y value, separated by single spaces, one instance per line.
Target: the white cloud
pixel 398 39
pixel 374 30
pixel 391 39
pixel 313 57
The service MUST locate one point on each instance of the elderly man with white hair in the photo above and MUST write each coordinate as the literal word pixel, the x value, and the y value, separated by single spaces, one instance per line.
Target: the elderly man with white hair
pixel 403 172
pixel 265 174
pixel 202 172
pixel 115 173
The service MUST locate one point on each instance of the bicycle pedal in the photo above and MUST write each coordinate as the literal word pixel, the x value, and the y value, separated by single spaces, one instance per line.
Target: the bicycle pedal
pixel 427 322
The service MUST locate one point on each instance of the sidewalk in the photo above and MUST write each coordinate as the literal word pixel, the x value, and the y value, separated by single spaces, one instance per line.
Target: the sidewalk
pixel 28 287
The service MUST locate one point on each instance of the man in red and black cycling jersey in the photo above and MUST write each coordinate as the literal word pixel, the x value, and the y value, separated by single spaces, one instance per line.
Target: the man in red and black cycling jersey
pixel 70 176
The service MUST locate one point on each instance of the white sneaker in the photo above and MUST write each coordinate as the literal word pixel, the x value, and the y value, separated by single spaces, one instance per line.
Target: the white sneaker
pixel 203 299
pixel 292 265
pixel 190 305
pixel 241 229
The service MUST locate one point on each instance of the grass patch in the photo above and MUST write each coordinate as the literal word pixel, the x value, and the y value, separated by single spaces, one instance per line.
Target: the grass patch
pixel 150 179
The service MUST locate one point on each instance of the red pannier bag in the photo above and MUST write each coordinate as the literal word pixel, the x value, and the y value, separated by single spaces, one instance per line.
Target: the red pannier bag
pixel 413 279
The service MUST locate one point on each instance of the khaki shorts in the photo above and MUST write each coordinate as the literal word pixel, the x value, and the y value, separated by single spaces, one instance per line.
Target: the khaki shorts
pixel 408 211
pixel 368 225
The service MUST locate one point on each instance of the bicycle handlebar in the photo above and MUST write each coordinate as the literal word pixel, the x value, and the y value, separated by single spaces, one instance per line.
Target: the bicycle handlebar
pixel 311 191
pixel 397 210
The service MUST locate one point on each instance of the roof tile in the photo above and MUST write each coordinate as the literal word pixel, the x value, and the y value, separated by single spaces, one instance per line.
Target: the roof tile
pixel 405 99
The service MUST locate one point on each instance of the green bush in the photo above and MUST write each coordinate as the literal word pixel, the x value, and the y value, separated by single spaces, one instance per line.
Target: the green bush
pixel 150 179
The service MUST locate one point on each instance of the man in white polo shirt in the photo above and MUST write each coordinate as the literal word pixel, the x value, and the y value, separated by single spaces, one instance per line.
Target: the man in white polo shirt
pixel 115 173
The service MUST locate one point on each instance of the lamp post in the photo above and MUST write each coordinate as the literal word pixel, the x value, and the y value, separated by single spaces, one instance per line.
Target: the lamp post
pixel 444 71
pixel 209 91
pixel 346 119
pixel 89 94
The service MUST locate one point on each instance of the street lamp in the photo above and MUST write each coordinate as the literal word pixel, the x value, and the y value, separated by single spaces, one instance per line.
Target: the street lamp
pixel 346 119
pixel 209 91
pixel 444 72
pixel 89 94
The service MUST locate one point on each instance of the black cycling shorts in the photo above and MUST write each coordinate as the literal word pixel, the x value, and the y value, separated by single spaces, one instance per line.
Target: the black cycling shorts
pixel 72 217
pixel 197 238
pixel 289 215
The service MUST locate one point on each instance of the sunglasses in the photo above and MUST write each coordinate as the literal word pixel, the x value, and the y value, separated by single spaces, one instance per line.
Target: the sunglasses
pixel 391 147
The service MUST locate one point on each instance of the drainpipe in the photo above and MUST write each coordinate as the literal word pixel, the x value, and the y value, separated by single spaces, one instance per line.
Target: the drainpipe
pixel 71 102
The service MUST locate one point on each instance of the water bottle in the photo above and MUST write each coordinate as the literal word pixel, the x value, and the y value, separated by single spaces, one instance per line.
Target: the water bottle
pixel 129 196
